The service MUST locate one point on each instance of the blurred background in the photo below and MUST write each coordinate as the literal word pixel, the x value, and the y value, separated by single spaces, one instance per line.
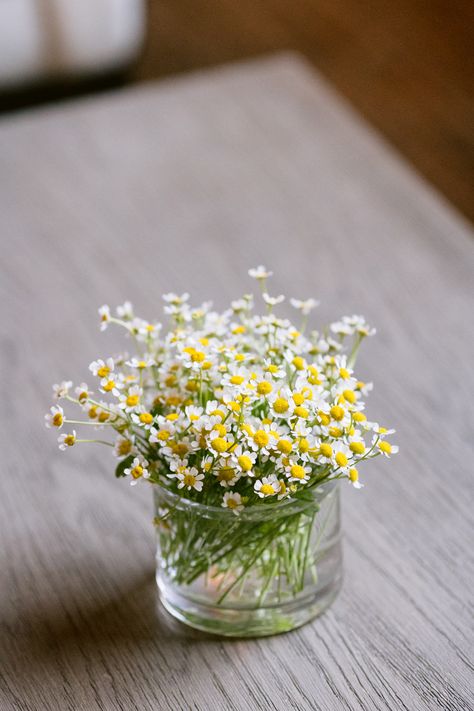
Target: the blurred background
pixel 406 65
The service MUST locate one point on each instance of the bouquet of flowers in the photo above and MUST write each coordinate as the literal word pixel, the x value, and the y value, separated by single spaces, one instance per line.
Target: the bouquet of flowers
pixel 233 410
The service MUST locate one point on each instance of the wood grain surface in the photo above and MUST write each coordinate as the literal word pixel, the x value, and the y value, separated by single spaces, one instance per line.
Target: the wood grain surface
pixel 184 185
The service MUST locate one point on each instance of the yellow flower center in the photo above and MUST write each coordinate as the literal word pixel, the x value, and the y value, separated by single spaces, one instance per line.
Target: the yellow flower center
pixel 303 445
pixel 137 471
pixel 58 419
pixel 261 438
pixel 326 450
pixel 335 432
pixel 219 444
pixel 69 440
pixel 385 447
pixel 231 503
pixel 146 418
pixel 103 416
pixel 272 368
pixel 341 459
pixel 237 379
pixel 267 489
pixel 353 474
pixel 198 356
pixel 83 396
pixel 170 381
pixel 207 365
pixel 124 447
pixel 298 398
pixel 163 435
pixel 218 413
pixel 226 474
pixel 245 462
pixel 301 411
pixel 141 364
pixel 324 418
pixel 172 417
pixel 345 375
pixel 221 429
pixel 92 412
pixel 264 387
pixel 297 471
pixel 337 413
pixel 298 362
pixel 103 371
pixel 189 480
pixel 280 405
pixel 132 400
pixel 359 417
pixel 350 396
pixel 357 447
pixel 284 446
pixel 238 329
pixel 204 341
pixel 180 449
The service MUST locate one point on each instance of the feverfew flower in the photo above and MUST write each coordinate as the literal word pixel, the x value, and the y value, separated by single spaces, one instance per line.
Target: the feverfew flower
pixel 233 501
pixel 137 470
pixel 61 390
pixel 267 486
pixel 191 479
pixel 55 417
pixel 104 313
pixel 273 300
pixel 260 273
pixel 82 392
pixel 125 311
pixel 67 440
pixel 304 306
pixel 101 368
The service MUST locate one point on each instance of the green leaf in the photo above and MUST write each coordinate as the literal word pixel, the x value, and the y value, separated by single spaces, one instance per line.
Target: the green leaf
pixel 124 464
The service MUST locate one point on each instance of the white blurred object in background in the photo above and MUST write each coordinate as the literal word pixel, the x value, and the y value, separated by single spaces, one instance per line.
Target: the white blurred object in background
pixel 50 38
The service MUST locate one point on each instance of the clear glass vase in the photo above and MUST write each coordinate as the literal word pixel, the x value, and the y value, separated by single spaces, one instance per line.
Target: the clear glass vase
pixel 269 569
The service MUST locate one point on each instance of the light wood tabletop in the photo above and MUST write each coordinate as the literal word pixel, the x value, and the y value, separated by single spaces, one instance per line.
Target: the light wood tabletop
pixel 184 185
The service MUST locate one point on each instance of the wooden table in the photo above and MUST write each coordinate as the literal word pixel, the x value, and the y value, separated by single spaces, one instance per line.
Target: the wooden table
pixel 184 185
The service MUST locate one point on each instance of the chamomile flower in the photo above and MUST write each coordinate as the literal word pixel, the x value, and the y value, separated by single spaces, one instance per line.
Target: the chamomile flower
pixel 386 448
pixel 244 459
pixel 101 368
pixel 260 273
pixel 55 417
pixel 143 418
pixel 140 363
pixel 111 384
pixel 125 311
pixel 104 314
pixel 131 400
pixel 137 470
pixel 82 392
pixel 267 486
pixel 305 307
pixel 353 476
pixel 297 473
pixel 233 501
pixel 273 300
pixel 124 446
pixel 226 474
pixel 190 479
pixel 67 440
pixel 62 389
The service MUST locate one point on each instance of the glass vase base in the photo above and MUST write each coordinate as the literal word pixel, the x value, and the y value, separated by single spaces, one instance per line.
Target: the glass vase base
pixel 246 621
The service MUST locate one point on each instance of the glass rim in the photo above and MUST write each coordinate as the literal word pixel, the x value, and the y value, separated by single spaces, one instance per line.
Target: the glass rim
pixel 255 511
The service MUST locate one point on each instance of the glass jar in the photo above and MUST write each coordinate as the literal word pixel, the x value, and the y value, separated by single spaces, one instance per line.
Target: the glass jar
pixel 269 569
